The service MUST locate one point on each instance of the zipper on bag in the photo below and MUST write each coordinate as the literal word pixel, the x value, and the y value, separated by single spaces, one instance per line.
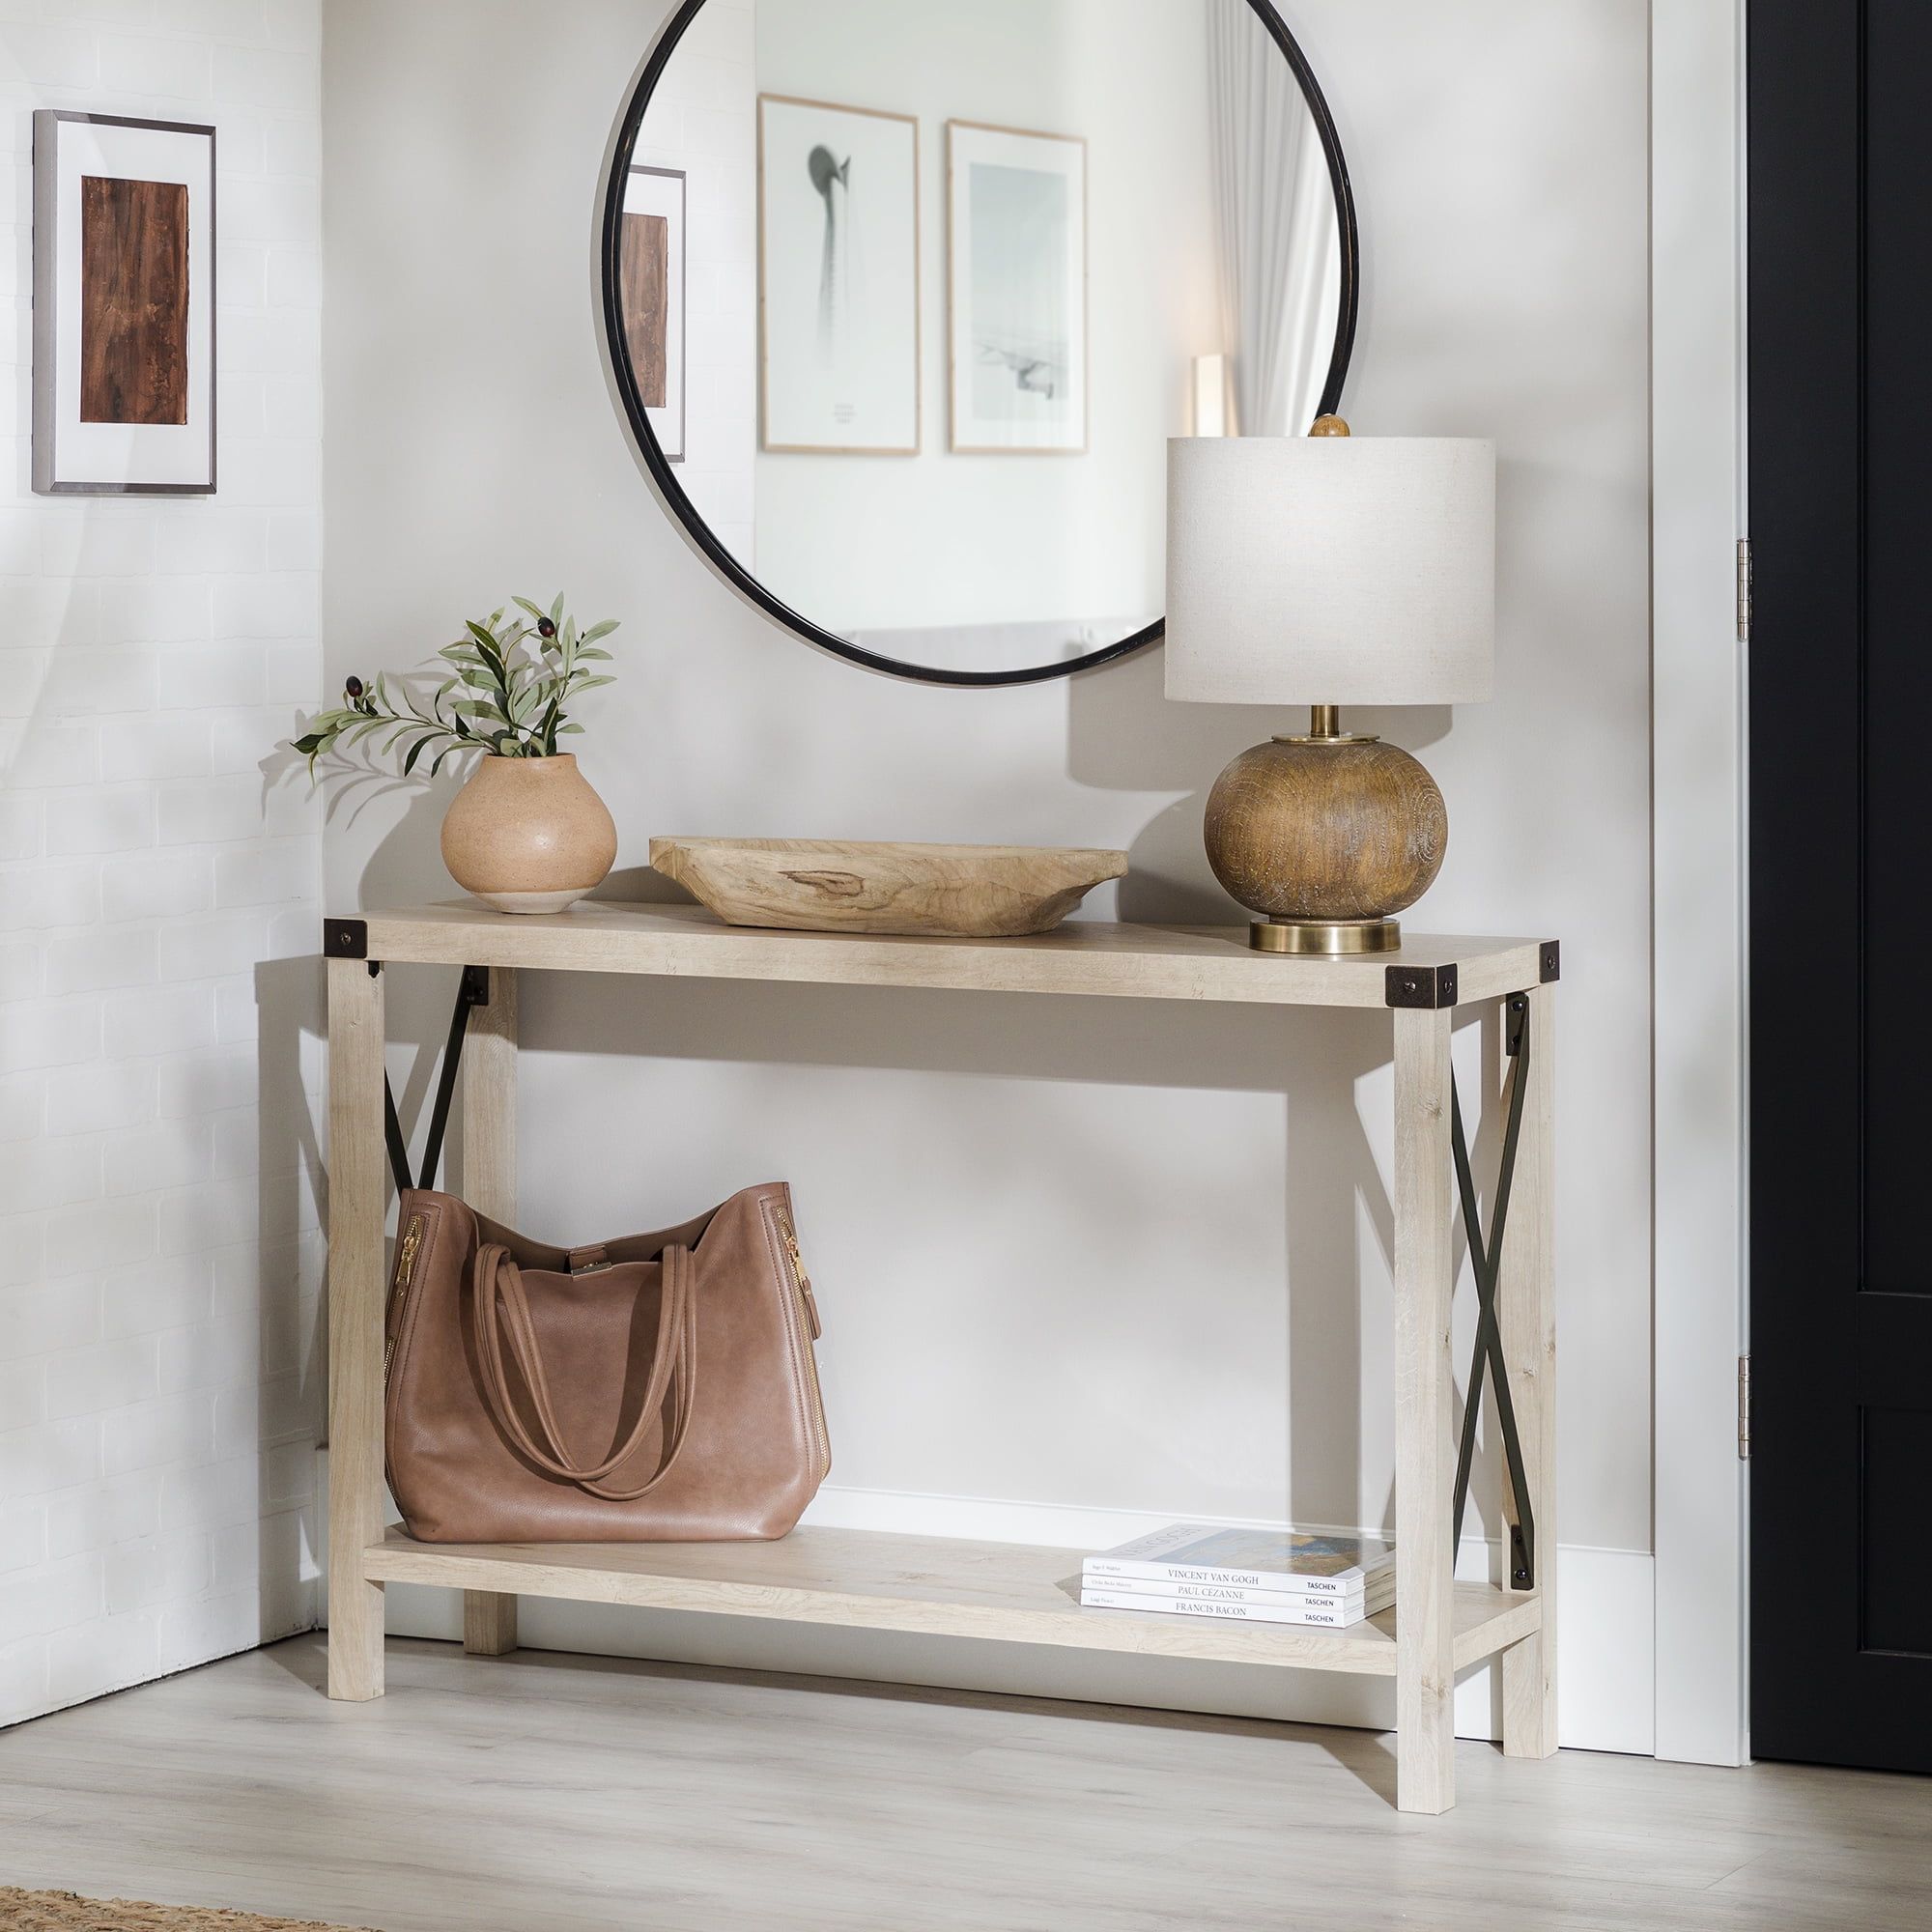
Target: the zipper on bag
pixel 406 1262
pixel 805 1306
pixel 800 1279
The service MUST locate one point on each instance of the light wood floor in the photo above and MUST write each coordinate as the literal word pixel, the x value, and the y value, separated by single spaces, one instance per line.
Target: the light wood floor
pixel 536 1791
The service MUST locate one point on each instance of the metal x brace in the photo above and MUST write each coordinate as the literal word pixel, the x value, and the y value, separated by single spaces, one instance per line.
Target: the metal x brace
pixel 473 990
pixel 1486 1259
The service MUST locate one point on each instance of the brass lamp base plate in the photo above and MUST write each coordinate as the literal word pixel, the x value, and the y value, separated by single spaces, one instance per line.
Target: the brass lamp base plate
pixel 1328 937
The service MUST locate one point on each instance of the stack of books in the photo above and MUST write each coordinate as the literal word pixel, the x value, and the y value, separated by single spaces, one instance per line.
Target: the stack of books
pixel 1265 1575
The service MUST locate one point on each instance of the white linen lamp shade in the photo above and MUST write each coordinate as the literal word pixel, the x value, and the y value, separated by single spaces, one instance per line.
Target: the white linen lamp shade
pixel 1328 571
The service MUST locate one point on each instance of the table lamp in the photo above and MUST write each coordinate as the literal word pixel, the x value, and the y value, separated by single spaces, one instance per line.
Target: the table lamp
pixel 1330 570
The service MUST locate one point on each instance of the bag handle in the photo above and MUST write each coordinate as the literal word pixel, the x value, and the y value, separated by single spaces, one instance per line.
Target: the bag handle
pixel 503 1313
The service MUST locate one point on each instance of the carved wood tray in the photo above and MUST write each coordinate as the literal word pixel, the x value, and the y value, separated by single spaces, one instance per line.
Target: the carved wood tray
pixel 824 885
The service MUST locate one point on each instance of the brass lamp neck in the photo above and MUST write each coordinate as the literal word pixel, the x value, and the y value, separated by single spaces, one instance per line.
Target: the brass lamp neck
pixel 1324 727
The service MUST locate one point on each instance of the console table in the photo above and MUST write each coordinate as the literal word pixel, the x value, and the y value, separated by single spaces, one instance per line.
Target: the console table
pixel 1014 1593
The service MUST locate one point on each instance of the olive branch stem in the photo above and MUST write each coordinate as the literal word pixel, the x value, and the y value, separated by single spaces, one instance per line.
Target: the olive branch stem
pixel 504 691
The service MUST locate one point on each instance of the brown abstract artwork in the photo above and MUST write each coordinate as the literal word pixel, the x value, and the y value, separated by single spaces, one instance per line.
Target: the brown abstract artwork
pixel 133 300
pixel 646 296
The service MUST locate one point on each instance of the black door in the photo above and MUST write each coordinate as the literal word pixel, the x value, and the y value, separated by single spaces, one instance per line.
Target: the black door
pixel 1840 286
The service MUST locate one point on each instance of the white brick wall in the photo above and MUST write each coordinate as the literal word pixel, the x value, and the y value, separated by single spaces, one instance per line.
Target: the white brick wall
pixel 159 882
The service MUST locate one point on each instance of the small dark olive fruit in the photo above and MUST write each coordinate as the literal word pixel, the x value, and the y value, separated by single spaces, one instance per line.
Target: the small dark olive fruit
pixel 545 628
pixel 353 688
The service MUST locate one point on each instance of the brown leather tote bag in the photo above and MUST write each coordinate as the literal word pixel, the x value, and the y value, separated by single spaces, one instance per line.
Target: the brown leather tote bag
pixel 659 1389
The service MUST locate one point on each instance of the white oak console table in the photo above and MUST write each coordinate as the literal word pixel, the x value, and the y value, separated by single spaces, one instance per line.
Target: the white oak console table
pixel 1015 1593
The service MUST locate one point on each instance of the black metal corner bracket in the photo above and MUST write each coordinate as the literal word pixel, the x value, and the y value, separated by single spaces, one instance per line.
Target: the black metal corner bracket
pixel 473 991
pixel 345 939
pixel 1485 1257
pixel 1424 986
pixel 1549 960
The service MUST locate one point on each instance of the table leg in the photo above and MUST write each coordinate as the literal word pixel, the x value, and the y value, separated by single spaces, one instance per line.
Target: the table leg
pixel 357 1167
pixel 1526 1314
pixel 1425 1457
pixel 490 1186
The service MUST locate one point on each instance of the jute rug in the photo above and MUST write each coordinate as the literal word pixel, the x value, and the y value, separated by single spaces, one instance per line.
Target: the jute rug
pixel 62 1912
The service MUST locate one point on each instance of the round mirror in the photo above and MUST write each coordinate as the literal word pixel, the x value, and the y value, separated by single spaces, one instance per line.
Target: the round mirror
pixel 904 299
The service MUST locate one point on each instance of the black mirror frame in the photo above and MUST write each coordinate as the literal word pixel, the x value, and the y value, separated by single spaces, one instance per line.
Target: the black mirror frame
pixel 728 566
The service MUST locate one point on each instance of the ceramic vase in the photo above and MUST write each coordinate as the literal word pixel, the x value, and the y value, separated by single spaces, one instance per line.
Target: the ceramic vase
pixel 529 835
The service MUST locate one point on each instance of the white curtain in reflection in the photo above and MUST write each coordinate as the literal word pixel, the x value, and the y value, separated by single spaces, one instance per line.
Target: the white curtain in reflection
pixel 1277 238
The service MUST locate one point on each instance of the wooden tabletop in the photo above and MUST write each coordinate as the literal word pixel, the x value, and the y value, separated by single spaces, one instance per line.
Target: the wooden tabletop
pixel 1149 962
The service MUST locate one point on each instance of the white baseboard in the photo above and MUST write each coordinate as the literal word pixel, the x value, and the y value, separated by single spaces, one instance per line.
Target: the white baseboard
pixel 1606 1659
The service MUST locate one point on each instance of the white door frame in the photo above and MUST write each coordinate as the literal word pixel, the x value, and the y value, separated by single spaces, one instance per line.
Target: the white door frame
pixel 1699 959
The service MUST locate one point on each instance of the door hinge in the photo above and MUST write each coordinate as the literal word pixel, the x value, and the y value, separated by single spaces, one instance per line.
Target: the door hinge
pixel 1743 590
pixel 1744 1408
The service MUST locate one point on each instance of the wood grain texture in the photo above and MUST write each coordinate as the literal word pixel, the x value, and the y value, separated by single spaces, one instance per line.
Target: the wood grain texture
pixel 133 300
pixel 62 1912
pixel 357 1178
pixel 981 892
pixel 1093 957
pixel 645 290
pixel 489 1100
pixel 489 1623
pixel 1014 1593
pixel 576 1794
pixel 1526 1311
pixel 1425 1450
pixel 1345 831
pixel 490 1186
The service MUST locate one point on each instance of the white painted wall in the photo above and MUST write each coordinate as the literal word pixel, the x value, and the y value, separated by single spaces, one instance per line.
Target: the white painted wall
pixel 1071 1256
pixel 895 543
pixel 159 1258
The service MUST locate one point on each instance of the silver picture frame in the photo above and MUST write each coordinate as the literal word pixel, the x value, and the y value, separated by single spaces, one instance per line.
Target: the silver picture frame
pixel 69 458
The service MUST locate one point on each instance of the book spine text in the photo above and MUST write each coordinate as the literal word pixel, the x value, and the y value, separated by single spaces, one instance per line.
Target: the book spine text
pixel 1324 1614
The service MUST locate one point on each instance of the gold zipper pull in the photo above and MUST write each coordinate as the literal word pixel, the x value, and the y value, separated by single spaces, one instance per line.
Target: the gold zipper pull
pixel 406 1262
pixel 799 1276
pixel 790 1234
pixel 406 1254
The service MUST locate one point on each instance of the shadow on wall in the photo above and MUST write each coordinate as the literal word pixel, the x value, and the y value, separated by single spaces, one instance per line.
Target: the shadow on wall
pixel 406 869
pixel 983 1185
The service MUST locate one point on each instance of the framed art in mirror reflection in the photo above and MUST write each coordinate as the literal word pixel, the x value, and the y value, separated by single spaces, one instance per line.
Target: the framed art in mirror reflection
pixel 839 302
pixel 652 273
pixel 1017 291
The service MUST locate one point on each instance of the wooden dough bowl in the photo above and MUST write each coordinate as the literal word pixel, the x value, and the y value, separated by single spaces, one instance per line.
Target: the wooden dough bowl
pixel 823 885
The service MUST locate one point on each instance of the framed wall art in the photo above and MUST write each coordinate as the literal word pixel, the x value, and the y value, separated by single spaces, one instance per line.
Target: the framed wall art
pixel 123 305
pixel 1016 217
pixel 837 278
pixel 652 280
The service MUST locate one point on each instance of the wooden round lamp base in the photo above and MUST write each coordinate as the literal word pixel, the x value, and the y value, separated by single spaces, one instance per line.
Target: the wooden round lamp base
pixel 1326 839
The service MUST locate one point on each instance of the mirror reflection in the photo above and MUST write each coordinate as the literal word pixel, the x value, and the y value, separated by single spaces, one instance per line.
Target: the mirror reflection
pixel 914 292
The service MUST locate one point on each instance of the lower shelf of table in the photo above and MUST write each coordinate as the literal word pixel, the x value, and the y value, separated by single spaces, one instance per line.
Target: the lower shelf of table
pixel 1007 1592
